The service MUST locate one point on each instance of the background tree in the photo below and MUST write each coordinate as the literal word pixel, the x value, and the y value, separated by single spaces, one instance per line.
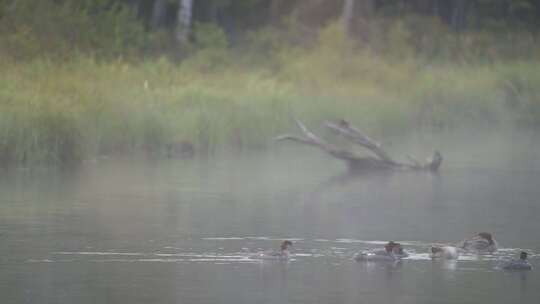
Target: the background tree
pixel 184 21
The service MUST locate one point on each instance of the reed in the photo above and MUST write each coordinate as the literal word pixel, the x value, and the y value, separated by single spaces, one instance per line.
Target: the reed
pixel 81 108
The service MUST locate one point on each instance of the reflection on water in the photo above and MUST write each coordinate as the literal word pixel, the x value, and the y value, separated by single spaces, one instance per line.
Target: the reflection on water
pixel 186 232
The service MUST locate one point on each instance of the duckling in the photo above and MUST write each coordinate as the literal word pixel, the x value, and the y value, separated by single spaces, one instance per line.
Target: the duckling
pixel 521 264
pixel 392 252
pixel 282 254
pixel 482 242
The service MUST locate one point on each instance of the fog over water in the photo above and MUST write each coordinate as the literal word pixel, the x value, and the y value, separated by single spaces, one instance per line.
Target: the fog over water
pixel 184 231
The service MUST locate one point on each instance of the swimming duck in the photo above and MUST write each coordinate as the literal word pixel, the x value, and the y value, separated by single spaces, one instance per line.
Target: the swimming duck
pixel 482 242
pixel 392 252
pixel 520 264
pixel 282 254
pixel 444 252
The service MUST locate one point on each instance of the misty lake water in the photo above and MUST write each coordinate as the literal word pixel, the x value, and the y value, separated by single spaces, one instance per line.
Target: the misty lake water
pixel 182 231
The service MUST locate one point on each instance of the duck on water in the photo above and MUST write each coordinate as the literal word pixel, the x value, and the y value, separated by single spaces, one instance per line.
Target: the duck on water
pixel 481 242
pixel 517 264
pixel 392 252
pixel 282 254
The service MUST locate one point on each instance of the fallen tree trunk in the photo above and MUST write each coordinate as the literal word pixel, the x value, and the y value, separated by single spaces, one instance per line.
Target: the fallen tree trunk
pixel 380 159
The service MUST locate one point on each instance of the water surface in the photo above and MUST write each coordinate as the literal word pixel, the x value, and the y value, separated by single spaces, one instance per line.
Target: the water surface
pixel 180 231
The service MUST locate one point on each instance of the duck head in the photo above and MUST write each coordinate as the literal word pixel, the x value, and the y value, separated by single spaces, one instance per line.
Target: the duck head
pixel 389 246
pixel 486 236
pixel 435 249
pixel 285 245
pixel 393 247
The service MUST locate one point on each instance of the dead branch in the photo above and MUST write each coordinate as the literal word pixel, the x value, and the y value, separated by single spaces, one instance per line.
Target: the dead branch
pixel 313 140
pixel 381 159
pixel 352 133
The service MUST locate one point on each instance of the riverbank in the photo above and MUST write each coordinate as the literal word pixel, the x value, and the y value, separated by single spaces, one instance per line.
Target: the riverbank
pixel 58 112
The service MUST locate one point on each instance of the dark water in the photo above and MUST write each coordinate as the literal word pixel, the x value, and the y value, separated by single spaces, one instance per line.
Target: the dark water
pixel 183 231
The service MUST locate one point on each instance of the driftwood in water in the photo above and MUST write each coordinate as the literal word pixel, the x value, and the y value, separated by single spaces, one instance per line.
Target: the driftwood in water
pixel 380 159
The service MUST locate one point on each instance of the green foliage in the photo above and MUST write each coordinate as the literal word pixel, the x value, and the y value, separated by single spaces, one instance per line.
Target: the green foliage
pixel 210 48
pixel 62 112
pixel 33 28
pixel 209 36
pixel 104 97
pixel 521 92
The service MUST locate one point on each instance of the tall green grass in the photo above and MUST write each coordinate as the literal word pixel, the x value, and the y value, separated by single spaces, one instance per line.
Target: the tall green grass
pixel 63 112
pixel 54 111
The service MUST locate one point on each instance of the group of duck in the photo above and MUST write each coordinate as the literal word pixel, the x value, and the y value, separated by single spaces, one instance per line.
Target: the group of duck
pixel 480 243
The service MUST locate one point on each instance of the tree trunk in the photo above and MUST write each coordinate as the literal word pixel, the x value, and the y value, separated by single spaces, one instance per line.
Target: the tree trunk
pixel 183 26
pixel 436 9
pixel 159 11
pixel 347 15
pixel 459 15
pixel 365 9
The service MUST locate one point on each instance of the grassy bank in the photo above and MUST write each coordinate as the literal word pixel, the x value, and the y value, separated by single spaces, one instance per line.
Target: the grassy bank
pixel 79 109
pixel 82 79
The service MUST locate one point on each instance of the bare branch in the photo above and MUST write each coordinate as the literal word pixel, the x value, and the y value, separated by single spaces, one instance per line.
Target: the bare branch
pixel 308 133
pixel 359 138
pixel 382 161
pixel 295 138
pixel 313 140
pixel 415 163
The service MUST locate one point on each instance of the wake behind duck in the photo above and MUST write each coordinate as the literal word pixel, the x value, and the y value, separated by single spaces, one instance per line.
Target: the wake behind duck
pixel 444 252
pixel 282 254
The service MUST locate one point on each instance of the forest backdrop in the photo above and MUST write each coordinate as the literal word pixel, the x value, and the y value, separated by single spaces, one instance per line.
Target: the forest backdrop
pixel 82 79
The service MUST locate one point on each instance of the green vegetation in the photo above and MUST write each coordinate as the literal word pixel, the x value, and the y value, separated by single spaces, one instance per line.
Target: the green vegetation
pixel 70 90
